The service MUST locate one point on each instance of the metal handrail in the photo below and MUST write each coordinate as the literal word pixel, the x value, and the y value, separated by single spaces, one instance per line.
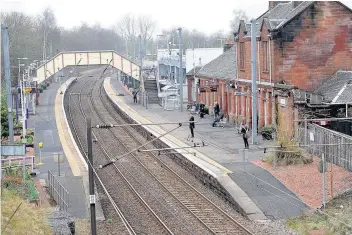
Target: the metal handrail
pixel 58 192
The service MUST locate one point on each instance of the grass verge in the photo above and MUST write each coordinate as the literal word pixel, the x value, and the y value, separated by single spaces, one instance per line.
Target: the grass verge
pixel 29 219
pixel 337 219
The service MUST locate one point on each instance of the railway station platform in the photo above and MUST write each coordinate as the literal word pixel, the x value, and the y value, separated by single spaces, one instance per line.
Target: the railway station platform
pixel 254 189
pixel 49 124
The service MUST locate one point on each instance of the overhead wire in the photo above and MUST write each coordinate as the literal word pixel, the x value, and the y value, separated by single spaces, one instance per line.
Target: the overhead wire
pixel 228 150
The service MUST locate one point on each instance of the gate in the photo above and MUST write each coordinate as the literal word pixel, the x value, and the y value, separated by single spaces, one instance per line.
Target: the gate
pixel 58 192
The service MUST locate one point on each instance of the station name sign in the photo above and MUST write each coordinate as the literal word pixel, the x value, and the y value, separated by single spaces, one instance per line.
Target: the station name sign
pixel 208 88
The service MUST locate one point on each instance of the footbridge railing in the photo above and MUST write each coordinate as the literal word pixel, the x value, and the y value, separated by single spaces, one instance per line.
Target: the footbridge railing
pixel 74 58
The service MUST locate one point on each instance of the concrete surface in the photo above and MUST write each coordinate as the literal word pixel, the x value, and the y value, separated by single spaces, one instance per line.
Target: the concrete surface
pixel 213 169
pixel 47 129
pixel 272 197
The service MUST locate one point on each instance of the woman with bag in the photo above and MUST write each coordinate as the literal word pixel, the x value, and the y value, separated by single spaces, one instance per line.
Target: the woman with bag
pixel 245 133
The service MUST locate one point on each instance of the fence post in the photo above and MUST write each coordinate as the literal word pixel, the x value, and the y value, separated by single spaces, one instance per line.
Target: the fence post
pixel 305 131
pixel 24 169
pixel 274 158
pixel 324 196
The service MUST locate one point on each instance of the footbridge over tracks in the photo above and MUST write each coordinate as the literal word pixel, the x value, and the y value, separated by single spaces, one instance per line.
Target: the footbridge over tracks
pixel 77 58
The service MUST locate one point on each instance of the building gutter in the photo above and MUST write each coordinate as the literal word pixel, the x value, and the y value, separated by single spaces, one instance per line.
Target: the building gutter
pixel 270 60
pixel 259 83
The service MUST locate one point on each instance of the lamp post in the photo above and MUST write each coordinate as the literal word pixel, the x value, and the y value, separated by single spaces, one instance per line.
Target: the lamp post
pixel 169 49
pixel 19 68
pixel 180 73
pixel 157 50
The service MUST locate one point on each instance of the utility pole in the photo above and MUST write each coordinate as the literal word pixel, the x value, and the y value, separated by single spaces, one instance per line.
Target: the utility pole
pixel 23 106
pixel 254 80
pixel 180 73
pixel 5 39
pixel 157 50
pixel 169 70
pixel 19 68
pixel 93 225
pixel 140 62
pixel 44 50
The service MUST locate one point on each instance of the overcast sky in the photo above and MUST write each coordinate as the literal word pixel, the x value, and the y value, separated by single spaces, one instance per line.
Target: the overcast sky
pixel 207 16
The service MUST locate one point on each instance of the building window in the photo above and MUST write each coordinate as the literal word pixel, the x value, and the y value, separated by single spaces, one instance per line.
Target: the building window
pixel 265 56
pixel 242 55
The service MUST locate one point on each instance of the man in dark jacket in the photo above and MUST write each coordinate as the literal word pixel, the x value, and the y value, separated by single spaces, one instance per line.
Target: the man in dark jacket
pixel 135 92
pixel 201 110
pixel 244 131
pixel 191 125
pixel 216 109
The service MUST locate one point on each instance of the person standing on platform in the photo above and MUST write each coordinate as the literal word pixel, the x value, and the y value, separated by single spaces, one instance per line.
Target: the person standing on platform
pixel 216 109
pixel 191 125
pixel 245 133
pixel 135 92
pixel 201 110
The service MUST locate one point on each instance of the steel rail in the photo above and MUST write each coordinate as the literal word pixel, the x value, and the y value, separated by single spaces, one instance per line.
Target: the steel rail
pixel 179 177
pixel 116 208
pixel 118 170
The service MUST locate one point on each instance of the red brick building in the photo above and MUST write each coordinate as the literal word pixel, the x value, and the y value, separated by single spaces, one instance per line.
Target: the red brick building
pixel 299 45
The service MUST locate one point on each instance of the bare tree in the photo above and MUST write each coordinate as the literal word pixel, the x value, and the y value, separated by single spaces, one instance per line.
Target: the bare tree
pixel 47 29
pixel 217 39
pixel 23 39
pixel 126 28
pixel 146 27
pixel 237 16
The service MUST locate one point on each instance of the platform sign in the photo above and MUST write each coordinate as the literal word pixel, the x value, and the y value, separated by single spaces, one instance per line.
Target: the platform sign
pixel 13 150
pixel 238 93
pixel 208 88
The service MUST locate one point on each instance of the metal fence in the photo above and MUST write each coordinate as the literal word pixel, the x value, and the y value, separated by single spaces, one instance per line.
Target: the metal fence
pixel 58 192
pixel 336 146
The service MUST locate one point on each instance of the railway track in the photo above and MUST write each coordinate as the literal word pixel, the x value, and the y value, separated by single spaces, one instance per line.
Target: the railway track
pixel 121 225
pixel 176 206
pixel 215 219
pixel 121 190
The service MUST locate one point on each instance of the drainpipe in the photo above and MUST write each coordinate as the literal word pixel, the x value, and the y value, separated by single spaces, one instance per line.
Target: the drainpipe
pixel 270 61
pixel 258 61
pixel 236 59
pixel 346 110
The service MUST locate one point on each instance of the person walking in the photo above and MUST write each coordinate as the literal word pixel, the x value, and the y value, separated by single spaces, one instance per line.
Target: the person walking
pixel 135 92
pixel 216 109
pixel 245 134
pixel 191 125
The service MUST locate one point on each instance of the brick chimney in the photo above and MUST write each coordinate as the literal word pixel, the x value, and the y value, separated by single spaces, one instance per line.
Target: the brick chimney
pixel 273 4
pixel 228 45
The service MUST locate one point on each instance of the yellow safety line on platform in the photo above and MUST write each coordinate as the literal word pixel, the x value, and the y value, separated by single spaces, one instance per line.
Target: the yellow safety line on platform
pixel 61 127
pixel 160 131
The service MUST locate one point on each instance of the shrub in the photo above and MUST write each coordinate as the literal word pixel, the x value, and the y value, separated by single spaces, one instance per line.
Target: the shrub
pixel 268 129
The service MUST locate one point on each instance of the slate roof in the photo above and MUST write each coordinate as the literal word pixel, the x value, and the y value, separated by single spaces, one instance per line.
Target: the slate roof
pixel 194 70
pixel 337 89
pixel 280 15
pixel 223 67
